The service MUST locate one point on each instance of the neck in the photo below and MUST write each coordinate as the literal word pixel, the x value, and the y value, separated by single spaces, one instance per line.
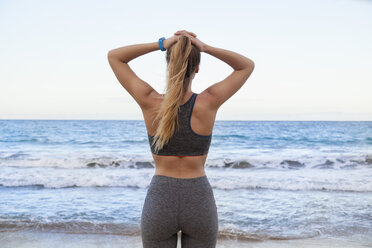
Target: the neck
pixel 189 81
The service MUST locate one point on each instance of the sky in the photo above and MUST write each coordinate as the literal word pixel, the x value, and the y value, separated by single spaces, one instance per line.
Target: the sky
pixel 313 58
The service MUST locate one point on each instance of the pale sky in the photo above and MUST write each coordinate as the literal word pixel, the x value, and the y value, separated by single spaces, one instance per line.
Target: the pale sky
pixel 313 57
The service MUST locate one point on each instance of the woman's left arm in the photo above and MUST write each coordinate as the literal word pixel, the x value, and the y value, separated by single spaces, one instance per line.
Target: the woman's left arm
pixel 119 58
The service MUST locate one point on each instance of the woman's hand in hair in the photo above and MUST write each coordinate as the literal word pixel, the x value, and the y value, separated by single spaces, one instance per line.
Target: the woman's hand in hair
pixel 193 39
pixel 198 44
pixel 184 32
pixel 168 42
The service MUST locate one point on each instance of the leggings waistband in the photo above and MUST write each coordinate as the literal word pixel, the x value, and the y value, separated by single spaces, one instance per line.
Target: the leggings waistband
pixel 182 181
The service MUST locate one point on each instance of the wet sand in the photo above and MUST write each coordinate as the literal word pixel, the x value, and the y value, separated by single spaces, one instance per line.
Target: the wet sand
pixel 25 239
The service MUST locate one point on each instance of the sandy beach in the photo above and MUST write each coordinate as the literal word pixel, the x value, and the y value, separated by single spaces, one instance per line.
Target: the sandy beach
pixel 22 239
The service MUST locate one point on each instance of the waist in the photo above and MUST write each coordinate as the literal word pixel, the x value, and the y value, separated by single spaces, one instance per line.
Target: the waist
pixel 180 167
pixel 180 188
pixel 194 181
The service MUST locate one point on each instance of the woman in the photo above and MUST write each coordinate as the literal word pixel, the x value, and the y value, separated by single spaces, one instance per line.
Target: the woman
pixel 179 126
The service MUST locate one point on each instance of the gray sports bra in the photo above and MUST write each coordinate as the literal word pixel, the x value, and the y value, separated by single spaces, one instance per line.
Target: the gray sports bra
pixel 184 142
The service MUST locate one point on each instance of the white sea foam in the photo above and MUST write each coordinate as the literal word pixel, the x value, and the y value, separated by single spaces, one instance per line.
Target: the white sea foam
pixel 224 179
pixel 260 158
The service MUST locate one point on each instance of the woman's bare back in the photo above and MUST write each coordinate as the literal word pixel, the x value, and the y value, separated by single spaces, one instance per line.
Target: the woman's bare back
pixel 202 122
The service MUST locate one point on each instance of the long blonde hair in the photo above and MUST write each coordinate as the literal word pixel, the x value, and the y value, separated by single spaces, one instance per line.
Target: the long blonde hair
pixel 182 60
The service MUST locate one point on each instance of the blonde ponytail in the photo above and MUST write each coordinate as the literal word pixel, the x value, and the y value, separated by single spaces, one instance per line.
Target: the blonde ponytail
pixel 182 59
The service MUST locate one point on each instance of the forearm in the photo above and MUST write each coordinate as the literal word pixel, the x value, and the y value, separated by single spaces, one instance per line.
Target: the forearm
pixel 127 53
pixel 235 60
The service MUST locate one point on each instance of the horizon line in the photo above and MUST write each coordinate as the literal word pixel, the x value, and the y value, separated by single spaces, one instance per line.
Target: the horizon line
pixel 22 119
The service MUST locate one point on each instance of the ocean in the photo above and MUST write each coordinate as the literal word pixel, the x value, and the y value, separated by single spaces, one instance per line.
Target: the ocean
pixel 272 180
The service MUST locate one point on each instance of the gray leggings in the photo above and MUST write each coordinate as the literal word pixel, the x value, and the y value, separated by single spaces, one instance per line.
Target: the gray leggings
pixel 174 204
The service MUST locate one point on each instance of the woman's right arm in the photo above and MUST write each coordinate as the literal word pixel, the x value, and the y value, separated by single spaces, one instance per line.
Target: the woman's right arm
pixel 243 67
pixel 219 92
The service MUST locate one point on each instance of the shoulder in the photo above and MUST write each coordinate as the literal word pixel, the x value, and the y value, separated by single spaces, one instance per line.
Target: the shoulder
pixel 202 104
pixel 152 100
pixel 205 101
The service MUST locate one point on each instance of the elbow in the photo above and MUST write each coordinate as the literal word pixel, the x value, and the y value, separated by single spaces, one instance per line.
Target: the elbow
pixel 113 55
pixel 110 55
pixel 248 65
pixel 251 64
pixel 249 69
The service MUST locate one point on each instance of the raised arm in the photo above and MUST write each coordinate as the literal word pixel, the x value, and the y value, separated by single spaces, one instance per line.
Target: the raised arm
pixel 223 90
pixel 219 92
pixel 119 58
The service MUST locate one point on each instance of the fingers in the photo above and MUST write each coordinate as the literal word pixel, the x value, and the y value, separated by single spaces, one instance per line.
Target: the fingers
pixel 185 32
pixel 178 35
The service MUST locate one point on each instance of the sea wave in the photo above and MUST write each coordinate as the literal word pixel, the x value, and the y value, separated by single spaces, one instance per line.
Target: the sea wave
pixel 77 227
pixel 222 179
pixel 255 161
pixel 86 227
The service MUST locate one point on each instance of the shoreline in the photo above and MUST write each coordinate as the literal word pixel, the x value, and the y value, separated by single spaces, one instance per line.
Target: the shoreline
pixel 40 239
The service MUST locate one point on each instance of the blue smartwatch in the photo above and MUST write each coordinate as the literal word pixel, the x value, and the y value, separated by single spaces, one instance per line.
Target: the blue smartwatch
pixel 161 44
